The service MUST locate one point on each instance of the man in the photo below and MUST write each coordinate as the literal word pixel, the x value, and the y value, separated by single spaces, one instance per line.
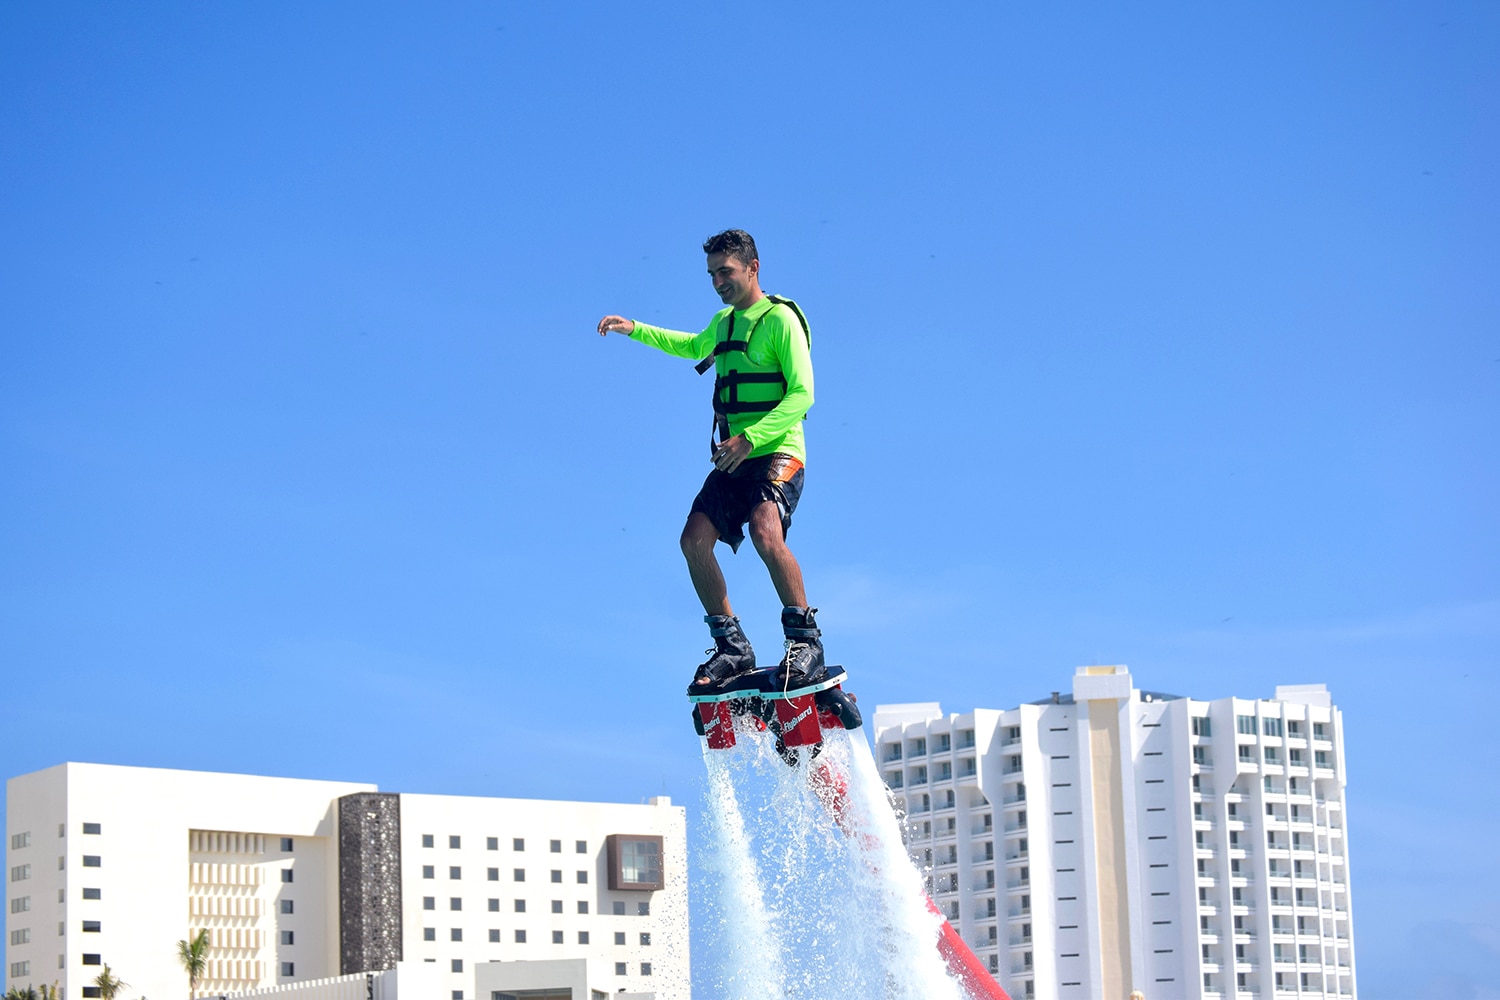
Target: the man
pixel 762 390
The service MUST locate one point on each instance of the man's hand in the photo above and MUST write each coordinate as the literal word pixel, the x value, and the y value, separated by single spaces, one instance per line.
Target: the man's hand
pixel 732 452
pixel 619 324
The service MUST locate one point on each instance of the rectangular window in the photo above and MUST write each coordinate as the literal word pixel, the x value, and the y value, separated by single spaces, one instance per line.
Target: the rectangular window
pixel 1319 731
pixel 494 906
pixel 286 845
pixel 518 875
pixel 493 874
pixel 645 968
pixel 429 902
pixel 1271 727
pixel 22 936
pixel 583 878
pixel 619 937
pixel 581 847
pixel 91 927
pixel 20 873
pixel 20 840
pixel 492 843
pixel 287 937
pixel 286 906
pixel 454 842
pixel 455 934
pixel 583 906
pixel 557 937
pixel 91 958
pixel 555 846
pixel 429 871
pixel 1245 725
pixel 454 903
pixel 583 937
pixel 519 844
pixel 520 906
pixel 618 908
pixel 635 863
pixel 288 969
pixel 429 933
pixel 427 840
pixel 646 938
pixel 619 968
pixel 1247 753
pixel 520 937
pixel 643 909
pixel 556 875
pixel 1320 758
pixel 1200 726
pixel 494 935
pixel 20 969
pixel 92 861
pixel 286 874
pixel 91 828
pixel 455 872
pixel 1200 755
pixel 93 894
pixel 1273 754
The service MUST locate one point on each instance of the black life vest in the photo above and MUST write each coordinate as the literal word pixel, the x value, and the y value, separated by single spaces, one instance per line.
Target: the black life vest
pixel 741 385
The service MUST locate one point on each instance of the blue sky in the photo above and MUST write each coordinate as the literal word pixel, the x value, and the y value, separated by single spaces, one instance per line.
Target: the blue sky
pixel 1167 337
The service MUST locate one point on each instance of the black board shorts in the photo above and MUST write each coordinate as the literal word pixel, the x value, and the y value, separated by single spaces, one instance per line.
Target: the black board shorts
pixel 727 498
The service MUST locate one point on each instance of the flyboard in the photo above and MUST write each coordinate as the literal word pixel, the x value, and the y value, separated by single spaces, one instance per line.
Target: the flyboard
pixel 796 718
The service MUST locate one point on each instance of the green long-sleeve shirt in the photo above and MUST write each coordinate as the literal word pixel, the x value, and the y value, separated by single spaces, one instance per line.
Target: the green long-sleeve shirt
pixel 777 339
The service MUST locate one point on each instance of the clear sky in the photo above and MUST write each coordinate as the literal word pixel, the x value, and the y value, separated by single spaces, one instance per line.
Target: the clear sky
pixel 1166 336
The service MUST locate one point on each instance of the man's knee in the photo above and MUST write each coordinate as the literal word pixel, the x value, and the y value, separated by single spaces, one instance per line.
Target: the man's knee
pixel 765 529
pixel 698 537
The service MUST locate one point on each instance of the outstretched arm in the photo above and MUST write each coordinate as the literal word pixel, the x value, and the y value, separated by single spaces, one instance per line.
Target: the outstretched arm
pixel 619 324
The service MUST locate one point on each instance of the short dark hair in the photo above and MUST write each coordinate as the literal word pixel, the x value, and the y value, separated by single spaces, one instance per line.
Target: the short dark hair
pixel 735 242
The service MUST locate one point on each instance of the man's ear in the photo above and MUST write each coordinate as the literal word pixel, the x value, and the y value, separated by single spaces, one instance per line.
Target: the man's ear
pixel 754 268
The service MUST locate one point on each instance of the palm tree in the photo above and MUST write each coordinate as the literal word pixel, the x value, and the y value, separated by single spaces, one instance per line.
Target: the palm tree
pixel 19 993
pixel 109 984
pixel 49 992
pixel 193 954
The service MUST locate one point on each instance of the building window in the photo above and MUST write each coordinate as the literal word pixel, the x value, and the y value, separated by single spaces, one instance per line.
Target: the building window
pixel 645 968
pixel 288 968
pixel 20 873
pixel 492 843
pixel 455 872
pixel 520 906
pixel 454 903
pixel 1319 732
pixel 494 935
pixel 456 934
pixel 555 846
pixel 1201 726
pixel 1271 727
pixel 619 968
pixel 557 906
pixel 286 874
pixel 493 874
pixel 520 937
pixel 286 906
pixel 89 894
pixel 91 828
pixel 519 844
pixel 457 995
pixel 20 969
pixel 20 840
pixel 429 871
pixel 287 938
pixel 454 842
pixel 634 863
pixel 22 936
pixel 91 861
pixel 557 937
pixel 286 845
pixel 429 903
pixel 91 958
pixel 1245 725
pixel 427 840
pixel 518 875
pixel 581 847
pixel 456 965
pixel 556 875
pixel 583 906
pixel 494 906
pixel 429 933
pixel 583 937
pixel 1320 758
pixel 617 908
pixel 643 909
pixel 646 938
pixel 619 937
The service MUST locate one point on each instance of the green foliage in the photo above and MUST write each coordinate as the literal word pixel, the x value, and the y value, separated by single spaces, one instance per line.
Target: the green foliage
pixel 193 954
pixel 109 984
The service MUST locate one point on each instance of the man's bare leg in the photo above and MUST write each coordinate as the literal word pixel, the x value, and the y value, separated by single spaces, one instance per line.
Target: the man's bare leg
pixel 698 538
pixel 770 542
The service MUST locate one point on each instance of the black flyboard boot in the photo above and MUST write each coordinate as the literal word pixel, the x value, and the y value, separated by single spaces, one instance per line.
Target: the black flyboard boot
pixel 803 663
pixel 730 657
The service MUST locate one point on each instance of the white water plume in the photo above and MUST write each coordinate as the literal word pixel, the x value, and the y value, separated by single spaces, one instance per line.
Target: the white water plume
pixel 807 903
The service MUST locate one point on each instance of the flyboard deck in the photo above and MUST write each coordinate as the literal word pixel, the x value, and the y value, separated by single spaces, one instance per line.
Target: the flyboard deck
pixel 795 716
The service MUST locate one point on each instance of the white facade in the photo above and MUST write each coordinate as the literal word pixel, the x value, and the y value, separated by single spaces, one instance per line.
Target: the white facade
pixel 115 865
pixel 1110 839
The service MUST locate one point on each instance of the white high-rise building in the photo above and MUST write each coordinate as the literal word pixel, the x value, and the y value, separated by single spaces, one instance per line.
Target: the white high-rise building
pixel 297 880
pixel 1111 839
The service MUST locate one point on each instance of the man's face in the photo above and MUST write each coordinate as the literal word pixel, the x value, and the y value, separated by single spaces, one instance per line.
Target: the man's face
pixel 733 279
